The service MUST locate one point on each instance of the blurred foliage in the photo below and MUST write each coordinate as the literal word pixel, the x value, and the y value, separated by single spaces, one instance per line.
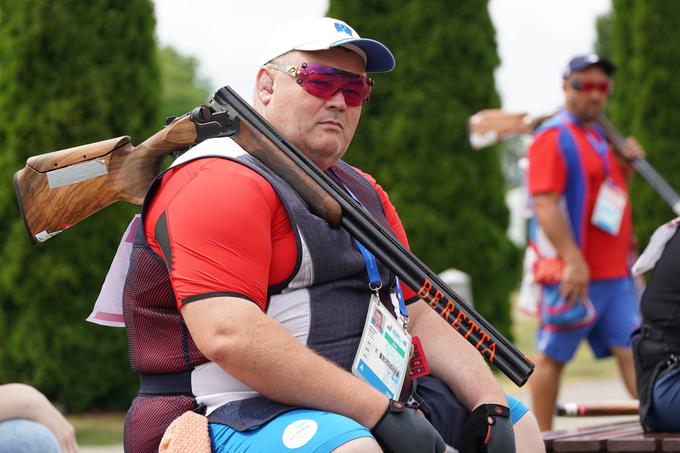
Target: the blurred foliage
pixel 645 44
pixel 72 73
pixel 413 139
pixel 604 25
pixel 181 88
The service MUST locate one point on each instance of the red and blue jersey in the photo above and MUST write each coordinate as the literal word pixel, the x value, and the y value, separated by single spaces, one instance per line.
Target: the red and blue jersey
pixel 572 161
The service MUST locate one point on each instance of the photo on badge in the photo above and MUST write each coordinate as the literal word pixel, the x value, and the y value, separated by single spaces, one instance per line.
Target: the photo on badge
pixel 378 320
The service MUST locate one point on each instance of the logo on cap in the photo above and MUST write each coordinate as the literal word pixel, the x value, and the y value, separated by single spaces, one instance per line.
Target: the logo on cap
pixel 343 28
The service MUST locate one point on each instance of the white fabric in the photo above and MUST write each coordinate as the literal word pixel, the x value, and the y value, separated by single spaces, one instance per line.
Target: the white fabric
pixel 655 248
pixel 214 387
pixel 108 308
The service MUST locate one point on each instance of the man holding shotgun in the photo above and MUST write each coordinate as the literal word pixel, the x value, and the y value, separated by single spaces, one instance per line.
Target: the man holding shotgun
pixel 243 303
pixel 582 234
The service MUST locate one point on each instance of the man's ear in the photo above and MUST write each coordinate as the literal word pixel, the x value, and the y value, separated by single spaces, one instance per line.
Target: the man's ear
pixel 264 85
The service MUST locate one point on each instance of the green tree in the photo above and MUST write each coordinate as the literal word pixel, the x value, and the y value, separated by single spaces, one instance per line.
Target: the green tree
pixel 413 139
pixel 605 31
pixel 71 73
pixel 647 92
pixel 181 88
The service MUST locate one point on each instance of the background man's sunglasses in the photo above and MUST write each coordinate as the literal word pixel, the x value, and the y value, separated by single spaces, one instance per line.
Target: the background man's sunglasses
pixel 586 86
pixel 325 81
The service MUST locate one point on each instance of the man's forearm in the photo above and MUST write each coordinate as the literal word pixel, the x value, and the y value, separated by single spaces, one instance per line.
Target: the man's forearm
pixel 555 226
pixel 453 360
pixel 259 352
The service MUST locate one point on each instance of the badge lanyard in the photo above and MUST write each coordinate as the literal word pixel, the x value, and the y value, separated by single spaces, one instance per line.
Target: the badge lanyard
pixel 374 280
pixel 600 146
pixel 375 283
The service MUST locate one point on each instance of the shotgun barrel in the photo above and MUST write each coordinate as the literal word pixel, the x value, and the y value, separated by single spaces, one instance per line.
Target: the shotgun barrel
pixel 642 166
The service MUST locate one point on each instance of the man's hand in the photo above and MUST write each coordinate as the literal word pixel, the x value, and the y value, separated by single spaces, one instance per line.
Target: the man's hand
pixel 403 429
pixel 575 277
pixel 632 149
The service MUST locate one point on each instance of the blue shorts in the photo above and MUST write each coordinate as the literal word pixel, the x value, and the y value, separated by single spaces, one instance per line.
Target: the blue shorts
pixel 617 315
pixel 21 435
pixel 302 430
pixel 664 414
pixel 517 409
pixel 305 430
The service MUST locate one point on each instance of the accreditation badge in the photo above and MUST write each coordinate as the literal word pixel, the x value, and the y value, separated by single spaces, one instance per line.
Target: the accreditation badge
pixel 609 207
pixel 384 352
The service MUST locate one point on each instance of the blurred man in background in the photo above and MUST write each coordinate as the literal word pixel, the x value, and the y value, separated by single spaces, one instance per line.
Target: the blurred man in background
pixel 582 233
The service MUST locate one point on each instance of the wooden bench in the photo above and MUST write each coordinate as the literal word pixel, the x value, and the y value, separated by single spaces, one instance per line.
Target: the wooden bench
pixel 621 436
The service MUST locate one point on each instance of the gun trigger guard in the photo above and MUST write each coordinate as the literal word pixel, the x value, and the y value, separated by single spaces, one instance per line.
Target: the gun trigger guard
pixel 210 124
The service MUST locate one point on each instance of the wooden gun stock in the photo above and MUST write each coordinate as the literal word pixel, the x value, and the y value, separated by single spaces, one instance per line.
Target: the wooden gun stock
pixel 58 189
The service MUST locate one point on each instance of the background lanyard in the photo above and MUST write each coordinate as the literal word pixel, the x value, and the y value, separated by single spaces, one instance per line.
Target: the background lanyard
pixel 600 146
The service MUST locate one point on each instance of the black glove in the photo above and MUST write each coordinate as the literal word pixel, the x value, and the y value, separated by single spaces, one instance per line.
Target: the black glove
pixel 488 429
pixel 403 429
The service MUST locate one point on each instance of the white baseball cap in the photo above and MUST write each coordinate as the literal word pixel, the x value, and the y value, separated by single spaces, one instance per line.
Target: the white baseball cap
pixel 321 33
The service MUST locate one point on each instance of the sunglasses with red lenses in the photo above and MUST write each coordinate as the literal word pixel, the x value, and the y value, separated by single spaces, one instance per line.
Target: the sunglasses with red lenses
pixel 588 86
pixel 325 81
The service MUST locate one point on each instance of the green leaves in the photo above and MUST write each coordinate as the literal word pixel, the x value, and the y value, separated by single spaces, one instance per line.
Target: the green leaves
pixel 72 73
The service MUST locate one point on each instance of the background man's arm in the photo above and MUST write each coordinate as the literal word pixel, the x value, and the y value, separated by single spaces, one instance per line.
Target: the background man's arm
pixel 24 401
pixel 235 334
pixel 576 275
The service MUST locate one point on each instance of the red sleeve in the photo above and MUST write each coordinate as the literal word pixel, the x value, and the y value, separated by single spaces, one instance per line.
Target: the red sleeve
pixel 547 169
pixel 395 223
pixel 218 226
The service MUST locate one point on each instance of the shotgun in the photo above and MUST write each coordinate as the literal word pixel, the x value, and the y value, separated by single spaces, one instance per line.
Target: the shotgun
pixel 328 200
pixel 491 126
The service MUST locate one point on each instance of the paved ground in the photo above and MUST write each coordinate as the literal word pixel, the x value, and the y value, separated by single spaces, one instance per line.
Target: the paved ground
pixel 112 449
pixel 582 391
pixel 576 391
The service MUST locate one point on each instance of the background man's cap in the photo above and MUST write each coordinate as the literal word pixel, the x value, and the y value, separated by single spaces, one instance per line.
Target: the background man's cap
pixel 582 62
pixel 320 33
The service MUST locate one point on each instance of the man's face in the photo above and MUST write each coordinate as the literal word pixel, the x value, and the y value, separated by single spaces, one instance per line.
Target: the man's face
pixel 587 103
pixel 321 129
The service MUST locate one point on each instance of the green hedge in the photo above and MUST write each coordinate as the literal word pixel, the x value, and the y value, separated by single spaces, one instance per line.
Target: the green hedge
pixel 645 45
pixel 72 73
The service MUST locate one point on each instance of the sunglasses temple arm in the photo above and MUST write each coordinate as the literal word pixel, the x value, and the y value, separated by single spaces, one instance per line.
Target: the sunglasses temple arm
pixel 642 166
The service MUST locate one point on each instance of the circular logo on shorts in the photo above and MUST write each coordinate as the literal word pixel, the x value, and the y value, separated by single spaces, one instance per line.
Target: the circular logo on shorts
pixel 299 433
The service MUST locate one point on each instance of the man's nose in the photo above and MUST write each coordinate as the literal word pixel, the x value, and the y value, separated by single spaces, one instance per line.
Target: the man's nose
pixel 337 101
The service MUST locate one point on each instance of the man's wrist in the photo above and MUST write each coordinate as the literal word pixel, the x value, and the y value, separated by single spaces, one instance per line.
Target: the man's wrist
pixel 377 411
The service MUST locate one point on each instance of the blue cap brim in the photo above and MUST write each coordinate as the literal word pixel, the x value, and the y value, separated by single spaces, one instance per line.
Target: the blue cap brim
pixel 378 56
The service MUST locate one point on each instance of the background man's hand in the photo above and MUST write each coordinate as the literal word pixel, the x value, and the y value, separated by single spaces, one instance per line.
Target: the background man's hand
pixel 632 149
pixel 575 278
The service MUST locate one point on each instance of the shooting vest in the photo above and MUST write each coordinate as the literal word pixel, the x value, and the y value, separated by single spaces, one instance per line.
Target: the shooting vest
pixel 656 345
pixel 324 303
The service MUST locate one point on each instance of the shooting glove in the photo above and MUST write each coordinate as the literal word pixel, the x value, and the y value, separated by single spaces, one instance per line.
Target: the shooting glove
pixel 488 429
pixel 403 429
